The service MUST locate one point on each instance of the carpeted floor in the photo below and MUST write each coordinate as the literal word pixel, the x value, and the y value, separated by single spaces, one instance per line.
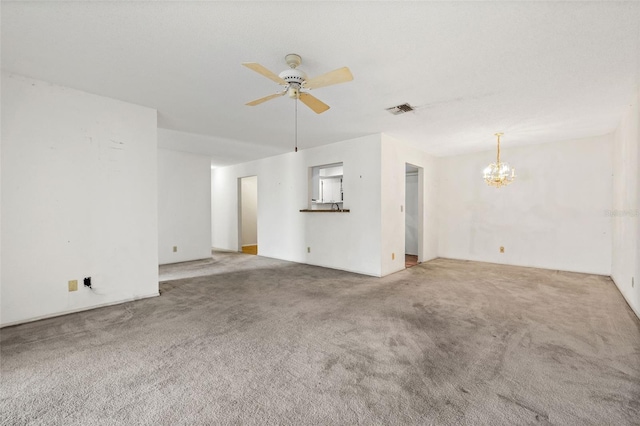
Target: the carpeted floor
pixel 250 340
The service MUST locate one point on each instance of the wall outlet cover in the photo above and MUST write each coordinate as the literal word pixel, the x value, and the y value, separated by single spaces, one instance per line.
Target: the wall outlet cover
pixel 73 285
pixel 501 249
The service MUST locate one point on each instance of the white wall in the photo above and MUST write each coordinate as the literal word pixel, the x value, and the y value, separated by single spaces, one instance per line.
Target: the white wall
pixel 626 207
pixel 79 198
pixel 347 241
pixel 395 155
pixel 411 214
pixel 184 206
pixel 249 210
pixel 552 216
pixel 1 199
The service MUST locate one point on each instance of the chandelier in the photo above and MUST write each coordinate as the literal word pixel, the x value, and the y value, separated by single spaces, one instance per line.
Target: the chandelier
pixel 499 174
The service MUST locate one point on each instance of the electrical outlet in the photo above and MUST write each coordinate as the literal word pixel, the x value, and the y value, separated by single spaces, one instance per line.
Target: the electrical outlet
pixel 393 256
pixel 175 249
pixel 87 282
pixel 308 249
pixel 73 285
pixel 501 249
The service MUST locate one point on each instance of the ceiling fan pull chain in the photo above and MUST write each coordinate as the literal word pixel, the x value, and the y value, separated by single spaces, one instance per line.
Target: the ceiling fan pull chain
pixel 296 116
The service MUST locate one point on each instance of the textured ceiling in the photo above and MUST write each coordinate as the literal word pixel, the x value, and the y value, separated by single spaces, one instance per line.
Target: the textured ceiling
pixel 538 71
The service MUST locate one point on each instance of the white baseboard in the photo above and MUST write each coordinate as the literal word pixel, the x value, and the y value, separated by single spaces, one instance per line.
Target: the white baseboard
pixel 353 271
pixel 72 311
pixel 224 250
pixel 635 311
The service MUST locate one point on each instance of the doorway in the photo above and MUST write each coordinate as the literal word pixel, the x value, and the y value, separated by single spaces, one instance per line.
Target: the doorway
pixel 413 215
pixel 248 214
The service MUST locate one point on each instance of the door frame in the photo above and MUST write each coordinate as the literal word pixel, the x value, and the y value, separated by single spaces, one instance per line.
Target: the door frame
pixel 240 208
pixel 420 230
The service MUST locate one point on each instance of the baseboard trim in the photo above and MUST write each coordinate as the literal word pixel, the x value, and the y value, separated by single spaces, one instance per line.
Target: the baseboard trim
pixel 224 250
pixel 547 268
pixel 353 271
pixel 73 311
pixel 394 271
pixel 185 261
pixel 635 311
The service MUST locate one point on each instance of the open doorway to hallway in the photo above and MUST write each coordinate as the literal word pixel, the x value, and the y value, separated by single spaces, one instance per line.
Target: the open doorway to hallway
pixel 248 214
pixel 413 215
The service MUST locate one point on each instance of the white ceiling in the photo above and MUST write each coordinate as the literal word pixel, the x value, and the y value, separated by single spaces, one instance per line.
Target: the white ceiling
pixel 538 71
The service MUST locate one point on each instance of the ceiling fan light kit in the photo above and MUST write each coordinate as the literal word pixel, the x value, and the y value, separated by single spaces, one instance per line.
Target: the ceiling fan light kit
pixel 294 91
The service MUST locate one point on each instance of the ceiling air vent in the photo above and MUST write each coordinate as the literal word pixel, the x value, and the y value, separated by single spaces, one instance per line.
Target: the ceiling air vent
pixel 400 109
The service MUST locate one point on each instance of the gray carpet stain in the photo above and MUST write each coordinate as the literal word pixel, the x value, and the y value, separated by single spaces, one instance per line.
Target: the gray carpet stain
pixel 241 339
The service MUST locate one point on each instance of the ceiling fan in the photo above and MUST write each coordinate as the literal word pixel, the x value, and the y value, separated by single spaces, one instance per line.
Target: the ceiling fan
pixel 295 82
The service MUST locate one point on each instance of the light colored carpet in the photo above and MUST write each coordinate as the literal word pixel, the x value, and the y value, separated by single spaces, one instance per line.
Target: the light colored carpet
pixel 250 340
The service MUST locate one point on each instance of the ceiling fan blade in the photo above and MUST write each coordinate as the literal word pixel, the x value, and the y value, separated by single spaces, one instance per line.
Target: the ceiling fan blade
pixel 341 75
pixel 262 70
pixel 265 99
pixel 314 103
